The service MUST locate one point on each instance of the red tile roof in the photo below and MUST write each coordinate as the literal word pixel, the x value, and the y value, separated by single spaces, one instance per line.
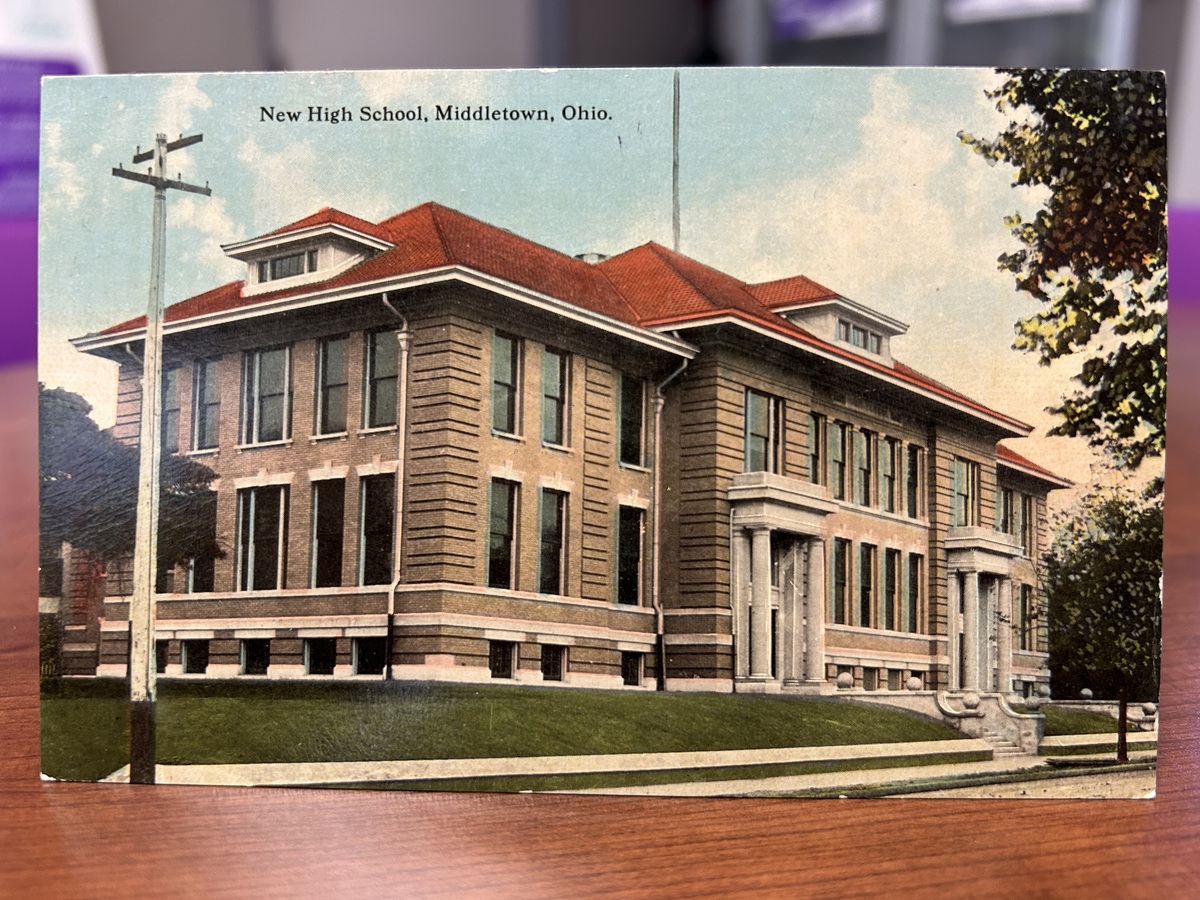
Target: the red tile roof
pixel 1005 454
pixel 649 286
pixel 327 215
pixel 794 291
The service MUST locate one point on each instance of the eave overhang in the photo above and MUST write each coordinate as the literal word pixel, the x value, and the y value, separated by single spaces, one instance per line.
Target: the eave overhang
pixel 1055 481
pixel 244 250
pixel 1011 427
pixel 655 340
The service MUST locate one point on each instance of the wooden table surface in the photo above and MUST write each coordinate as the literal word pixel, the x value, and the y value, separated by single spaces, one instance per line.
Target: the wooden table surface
pixel 117 840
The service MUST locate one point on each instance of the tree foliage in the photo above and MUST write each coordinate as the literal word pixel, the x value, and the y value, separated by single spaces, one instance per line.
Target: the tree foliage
pixel 1095 254
pixel 88 487
pixel 1103 586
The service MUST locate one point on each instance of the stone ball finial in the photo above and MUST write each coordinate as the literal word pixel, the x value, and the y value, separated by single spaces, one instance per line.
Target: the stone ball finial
pixel 971 700
pixel 1149 709
pixel 914 683
pixel 1086 694
pixel 845 681
pixel 1044 691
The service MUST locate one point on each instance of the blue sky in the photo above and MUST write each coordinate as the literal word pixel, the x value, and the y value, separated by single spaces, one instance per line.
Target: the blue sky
pixel 855 178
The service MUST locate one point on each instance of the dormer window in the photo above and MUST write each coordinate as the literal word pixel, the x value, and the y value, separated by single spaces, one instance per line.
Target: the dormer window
pixel 860 337
pixel 287 266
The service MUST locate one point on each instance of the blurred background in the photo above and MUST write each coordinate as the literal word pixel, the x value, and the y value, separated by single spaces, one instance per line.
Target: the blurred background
pixel 40 37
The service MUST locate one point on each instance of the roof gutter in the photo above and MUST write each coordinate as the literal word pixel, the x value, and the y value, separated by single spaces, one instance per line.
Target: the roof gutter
pixel 660 648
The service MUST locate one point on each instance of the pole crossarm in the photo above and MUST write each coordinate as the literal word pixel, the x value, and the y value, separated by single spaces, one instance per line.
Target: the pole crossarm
pixel 162 183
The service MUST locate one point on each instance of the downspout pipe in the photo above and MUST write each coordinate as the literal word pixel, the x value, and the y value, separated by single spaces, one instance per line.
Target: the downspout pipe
pixel 402 342
pixel 660 649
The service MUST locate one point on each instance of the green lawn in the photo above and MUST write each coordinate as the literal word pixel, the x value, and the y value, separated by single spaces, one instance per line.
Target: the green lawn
pixel 1078 721
pixel 85 733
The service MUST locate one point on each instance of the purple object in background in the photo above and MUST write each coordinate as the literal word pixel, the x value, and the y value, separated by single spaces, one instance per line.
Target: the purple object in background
pixel 20 92
pixel 1183 255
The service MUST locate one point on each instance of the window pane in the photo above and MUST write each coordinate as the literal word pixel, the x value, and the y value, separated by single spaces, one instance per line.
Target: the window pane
pixel 378 523
pixel 329 503
pixel 554 392
pixel 550 564
pixel 287 266
pixel 504 384
pixel 629 555
pixel 500 534
pixel 632 411
pixel 331 409
pixel 866 584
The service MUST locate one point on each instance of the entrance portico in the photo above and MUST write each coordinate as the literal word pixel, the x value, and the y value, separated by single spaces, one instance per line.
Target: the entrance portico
pixel 981 608
pixel 778 580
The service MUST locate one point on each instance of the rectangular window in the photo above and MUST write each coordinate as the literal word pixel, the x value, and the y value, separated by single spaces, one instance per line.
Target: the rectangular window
pixel 320 656
pixel 502 655
pixel 311 257
pixel 506 374
pixel 206 405
pixel 266 395
pixel 1025 525
pixel 863 468
pixel 161 655
pixel 870 679
pixel 891 590
pixel 551 560
pixel 837 460
pixel 287 266
pixel 843 330
pixel 201 575
pixel 1004 519
pixel 866 585
pixel 814 426
pixel 629 555
pixel 632 425
pixel 1025 617
pixel 913 591
pixel 555 390
pixel 631 668
pixel 256 656
pixel 377 523
pixel 893 679
pixel 262 514
pixel 502 517
pixel 764 432
pixel 964 492
pixel 328 514
pixel 170 410
pixel 379 373
pixel 194 656
pixel 888 452
pixel 368 655
pixel 841 574
pixel 331 386
pixel 553 662
pixel 913 480
pixel 264 271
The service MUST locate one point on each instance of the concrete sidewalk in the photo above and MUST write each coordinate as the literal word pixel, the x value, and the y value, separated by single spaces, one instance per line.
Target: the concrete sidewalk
pixel 899 755
pixel 902 778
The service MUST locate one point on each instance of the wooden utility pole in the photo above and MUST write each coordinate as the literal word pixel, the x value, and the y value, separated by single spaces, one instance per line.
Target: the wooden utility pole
pixel 142 667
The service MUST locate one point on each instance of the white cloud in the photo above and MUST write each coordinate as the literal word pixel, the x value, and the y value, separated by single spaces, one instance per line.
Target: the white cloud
pixel 65 187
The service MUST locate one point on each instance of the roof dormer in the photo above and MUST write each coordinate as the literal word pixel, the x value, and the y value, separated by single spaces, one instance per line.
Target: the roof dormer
pixel 313 249
pixel 845 323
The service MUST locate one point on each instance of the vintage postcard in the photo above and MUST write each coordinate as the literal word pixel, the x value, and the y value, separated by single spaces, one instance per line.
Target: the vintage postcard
pixel 777 432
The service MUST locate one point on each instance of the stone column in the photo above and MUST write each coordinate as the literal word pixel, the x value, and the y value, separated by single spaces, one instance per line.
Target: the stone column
pixel 1004 636
pixel 760 604
pixel 814 627
pixel 790 613
pixel 741 603
pixel 971 625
